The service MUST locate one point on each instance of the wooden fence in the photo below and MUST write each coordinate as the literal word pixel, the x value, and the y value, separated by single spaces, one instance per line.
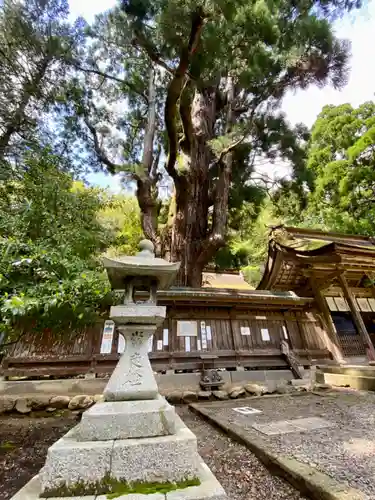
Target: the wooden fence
pixel 246 337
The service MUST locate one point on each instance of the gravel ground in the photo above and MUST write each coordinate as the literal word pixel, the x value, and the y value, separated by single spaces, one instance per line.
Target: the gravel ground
pixel 346 451
pixel 24 443
pixel 241 474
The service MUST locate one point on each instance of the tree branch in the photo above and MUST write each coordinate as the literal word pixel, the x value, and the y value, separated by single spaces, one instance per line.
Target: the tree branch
pixel 150 50
pixel 102 157
pixel 147 159
pixel 176 86
pixel 130 86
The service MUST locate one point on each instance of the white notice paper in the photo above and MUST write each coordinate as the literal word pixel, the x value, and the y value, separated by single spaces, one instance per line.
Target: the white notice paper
pixel 208 330
pixel 363 305
pixel 285 332
pixel 165 336
pixel 265 334
pixel 107 338
pixel 199 347
pixel 245 330
pixel 187 344
pixel 204 343
pixel 203 327
pixel 159 345
pixel 150 342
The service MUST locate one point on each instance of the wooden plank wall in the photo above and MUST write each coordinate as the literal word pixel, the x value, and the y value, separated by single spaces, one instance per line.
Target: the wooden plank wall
pixel 246 337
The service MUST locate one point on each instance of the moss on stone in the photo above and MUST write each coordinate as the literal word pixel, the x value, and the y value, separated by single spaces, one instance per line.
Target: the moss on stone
pixel 114 488
pixel 150 488
pixel 7 445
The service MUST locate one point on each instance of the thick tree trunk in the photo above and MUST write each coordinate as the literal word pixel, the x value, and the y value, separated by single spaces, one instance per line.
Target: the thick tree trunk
pixel 196 232
pixel 190 226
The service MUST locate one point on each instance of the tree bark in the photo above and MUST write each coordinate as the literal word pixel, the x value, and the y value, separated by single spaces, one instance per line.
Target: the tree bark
pixel 148 177
pixel 191 226
pixel 196 233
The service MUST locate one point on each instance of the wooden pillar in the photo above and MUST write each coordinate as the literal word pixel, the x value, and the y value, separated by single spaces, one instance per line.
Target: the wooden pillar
pixel 357 318
pixel 329 324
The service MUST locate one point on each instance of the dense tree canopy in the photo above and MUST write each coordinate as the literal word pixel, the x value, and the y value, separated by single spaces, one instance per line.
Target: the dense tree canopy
pixel 36 41
pixel 194 87
pixel 341 158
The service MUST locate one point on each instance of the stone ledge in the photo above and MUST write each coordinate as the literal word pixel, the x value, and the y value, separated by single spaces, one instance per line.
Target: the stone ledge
pixel 34 402
pixel 159 459
pixel 126 419
pixel 70 462
pixel 209 489
pixel 88 465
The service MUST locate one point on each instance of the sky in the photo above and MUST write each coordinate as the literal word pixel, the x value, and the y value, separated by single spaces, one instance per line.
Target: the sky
pixel 300 106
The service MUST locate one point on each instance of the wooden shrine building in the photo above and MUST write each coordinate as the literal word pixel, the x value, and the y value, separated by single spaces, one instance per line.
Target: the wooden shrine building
pixel 317 295
pixel 338 272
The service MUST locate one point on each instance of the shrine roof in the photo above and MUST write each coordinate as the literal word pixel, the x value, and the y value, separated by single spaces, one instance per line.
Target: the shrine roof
pixel 294 254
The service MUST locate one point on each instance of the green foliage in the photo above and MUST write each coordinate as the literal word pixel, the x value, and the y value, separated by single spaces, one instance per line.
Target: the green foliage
pixel 342 160
pixel 43 287
pixel 249 244
pixel 50 276
pixel 121 217
pixel 36 43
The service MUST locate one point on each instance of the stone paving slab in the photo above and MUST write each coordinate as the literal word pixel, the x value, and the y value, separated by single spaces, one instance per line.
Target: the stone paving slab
pixel 296 425
pixel 343 450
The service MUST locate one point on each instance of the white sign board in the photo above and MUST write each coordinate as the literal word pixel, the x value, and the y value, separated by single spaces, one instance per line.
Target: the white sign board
pixel 150 343
pixel 159 345
pixel 246 410
pixel 187 329
pixel 285 332
pixel 331 304
pixel 187 344
pixel 209 333
pixel 372 304
pixel 245 330
pixel 107 337
pixel 363 305
pixel 265 334
pixel 165 336
pixel 341 304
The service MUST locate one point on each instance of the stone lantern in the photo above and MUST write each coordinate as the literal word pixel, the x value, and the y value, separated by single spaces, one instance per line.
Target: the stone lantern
pixel 133 440
pixel 133 378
